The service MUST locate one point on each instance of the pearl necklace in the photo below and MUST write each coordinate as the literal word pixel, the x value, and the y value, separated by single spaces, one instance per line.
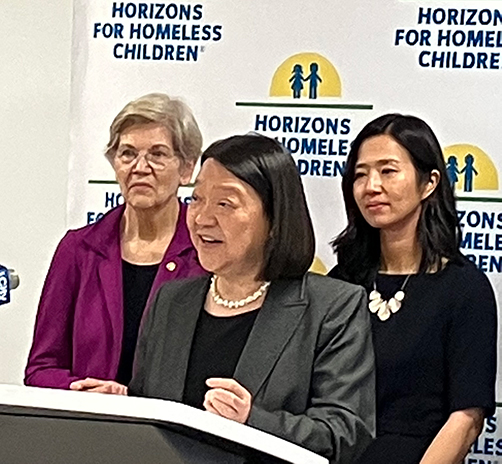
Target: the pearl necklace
pixel 235 304
pixel 382 308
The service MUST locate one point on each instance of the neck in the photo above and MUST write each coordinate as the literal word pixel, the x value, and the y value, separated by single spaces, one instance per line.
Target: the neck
pixel 237 287
pixel 150 224
pixel 400 250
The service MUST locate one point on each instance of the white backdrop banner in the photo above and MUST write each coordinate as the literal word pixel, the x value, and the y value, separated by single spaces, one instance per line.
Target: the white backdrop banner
pixel 310 74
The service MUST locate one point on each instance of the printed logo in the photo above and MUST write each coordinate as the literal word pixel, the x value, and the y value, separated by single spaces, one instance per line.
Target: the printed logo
pixel 157 31
pixel 318 266
pixel 306 75
pixel 4 286
pixel 470 169
pixel 303 87
pixel 474 178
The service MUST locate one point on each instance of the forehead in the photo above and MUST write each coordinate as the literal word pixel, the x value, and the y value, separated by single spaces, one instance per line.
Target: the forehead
pixel 213 176
pixel 382 149
pixel 146 134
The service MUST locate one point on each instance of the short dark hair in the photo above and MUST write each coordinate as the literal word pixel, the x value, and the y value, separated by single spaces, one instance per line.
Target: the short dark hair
pixel 270 170
pixel 438 230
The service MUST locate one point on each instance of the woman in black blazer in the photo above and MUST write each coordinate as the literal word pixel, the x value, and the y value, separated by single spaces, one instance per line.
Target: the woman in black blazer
pixel 261 341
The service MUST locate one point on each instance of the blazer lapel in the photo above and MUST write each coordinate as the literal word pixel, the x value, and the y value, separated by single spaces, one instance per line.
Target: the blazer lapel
pixel 110 276
pixel 276 322
pixel 105 242
pixel 182 320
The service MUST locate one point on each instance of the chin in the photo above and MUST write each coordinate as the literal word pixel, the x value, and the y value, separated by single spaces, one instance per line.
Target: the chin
pixel 377 222
pixel 385 225
pixel 209 264
pixel 208 267
pixel 141 202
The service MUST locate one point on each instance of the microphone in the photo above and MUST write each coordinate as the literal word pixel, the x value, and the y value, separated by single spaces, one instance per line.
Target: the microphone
pixel 9 280
pixel 13 278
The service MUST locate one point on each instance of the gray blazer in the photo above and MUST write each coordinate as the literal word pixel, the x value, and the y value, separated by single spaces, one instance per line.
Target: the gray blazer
pixel 308 361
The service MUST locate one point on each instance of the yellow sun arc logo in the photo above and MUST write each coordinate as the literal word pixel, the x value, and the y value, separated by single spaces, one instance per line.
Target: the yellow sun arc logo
pixel 306 75
pixel 470 168
pixel 318 267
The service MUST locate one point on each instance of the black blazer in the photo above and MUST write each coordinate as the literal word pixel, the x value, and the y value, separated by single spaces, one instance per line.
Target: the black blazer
pixel 308 361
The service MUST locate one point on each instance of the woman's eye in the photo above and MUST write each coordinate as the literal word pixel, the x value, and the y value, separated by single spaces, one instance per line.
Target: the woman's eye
pixel 158 154
pixel 225 204
pixel 388 171
pixel 127 154
pixel 358 175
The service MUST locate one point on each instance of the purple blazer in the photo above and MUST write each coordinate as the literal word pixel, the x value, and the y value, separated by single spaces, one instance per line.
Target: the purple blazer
pixel 79 325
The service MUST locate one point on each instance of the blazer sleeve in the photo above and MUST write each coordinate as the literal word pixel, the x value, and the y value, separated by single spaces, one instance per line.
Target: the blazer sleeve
pixel 50 359
pixel 340 420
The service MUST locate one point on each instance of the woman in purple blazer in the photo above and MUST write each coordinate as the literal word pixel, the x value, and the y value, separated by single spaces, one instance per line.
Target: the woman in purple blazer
pixel 103 275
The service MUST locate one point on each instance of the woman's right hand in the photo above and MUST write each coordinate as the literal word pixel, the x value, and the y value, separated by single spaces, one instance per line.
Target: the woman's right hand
pixel 99 386
pixel 228 398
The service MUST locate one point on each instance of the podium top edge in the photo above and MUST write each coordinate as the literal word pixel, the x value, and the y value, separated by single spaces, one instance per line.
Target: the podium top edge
pixel 157 410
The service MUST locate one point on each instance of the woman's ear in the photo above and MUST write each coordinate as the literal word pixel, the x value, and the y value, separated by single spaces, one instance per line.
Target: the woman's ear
pixel 186 172
pixel 431 184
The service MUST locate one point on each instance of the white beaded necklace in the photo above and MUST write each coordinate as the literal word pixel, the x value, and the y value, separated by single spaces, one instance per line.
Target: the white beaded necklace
pixel 383 308
pixel 235 304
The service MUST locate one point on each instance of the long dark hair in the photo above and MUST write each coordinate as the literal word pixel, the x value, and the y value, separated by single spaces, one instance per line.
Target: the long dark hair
pixel 269 168
pixel 438 230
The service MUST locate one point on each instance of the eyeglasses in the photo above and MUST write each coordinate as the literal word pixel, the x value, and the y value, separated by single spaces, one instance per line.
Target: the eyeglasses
pixel 156 159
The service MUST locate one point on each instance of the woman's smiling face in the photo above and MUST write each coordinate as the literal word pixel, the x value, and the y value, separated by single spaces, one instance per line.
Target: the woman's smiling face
pixel 227 222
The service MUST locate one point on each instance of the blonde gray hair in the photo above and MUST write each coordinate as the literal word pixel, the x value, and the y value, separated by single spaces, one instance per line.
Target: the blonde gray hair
pixel 159 108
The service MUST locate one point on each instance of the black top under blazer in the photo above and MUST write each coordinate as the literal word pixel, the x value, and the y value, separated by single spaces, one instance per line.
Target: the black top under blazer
pixel 308 361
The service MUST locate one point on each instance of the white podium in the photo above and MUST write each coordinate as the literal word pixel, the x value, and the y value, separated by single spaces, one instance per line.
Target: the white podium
pixel 45 426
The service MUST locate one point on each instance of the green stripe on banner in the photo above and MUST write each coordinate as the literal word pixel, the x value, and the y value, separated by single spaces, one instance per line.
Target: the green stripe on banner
pixel 499 405
pixel 103 182
pixel 114 182
pixel 481 199
pixel 339 106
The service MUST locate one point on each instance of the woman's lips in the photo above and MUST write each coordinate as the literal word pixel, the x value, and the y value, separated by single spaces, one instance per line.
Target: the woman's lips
pixel 140 185
pixel 209 241
pixel 375 207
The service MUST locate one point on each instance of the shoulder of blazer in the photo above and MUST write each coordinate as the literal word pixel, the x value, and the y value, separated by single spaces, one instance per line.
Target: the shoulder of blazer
pixel 332 296
pixel 182 289
pixel 299 290
pixel 325 285
pixel 103 236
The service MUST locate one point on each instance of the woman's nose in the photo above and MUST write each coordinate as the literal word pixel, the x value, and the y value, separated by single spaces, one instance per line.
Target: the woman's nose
pixel 141 164
pixel 374 183
pixel 204 216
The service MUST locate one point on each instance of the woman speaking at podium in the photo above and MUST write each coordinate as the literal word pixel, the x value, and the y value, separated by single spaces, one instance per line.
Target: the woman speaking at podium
pixel 102 275
pixel 260 340
pixel 433 314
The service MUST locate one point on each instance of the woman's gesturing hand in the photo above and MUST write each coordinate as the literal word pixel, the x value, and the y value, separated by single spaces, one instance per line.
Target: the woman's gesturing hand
pixel 228 398
pixel 99 386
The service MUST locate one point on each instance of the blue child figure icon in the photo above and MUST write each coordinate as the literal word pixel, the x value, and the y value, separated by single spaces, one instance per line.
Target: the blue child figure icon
pixel 452 170
pixel 297 80
pixel 469 172
pixel 314 80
